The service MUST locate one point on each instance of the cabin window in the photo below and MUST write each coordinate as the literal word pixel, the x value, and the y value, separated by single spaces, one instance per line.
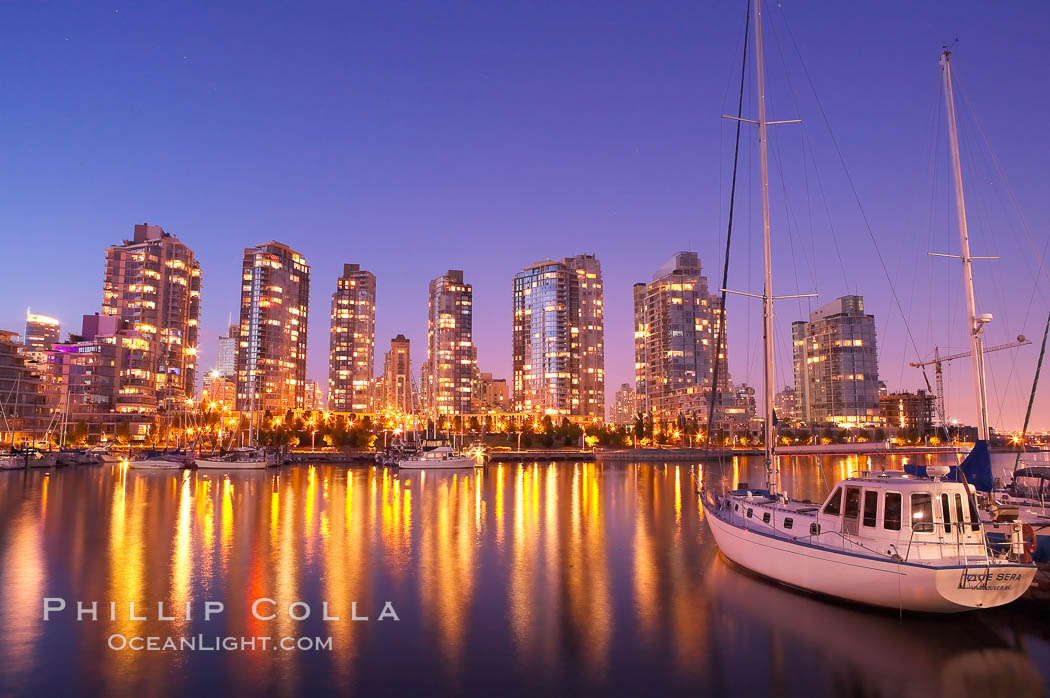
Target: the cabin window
pixel 765 517
pixel 834 505
pixel 749 513
pixel 871 507
pixel 891 518
pixel 922 512
pixel 814 529
pixel 946 512
pixel 788 523
pixel 736 507
pixel 959 516
pixel 975 520
pixel 852 502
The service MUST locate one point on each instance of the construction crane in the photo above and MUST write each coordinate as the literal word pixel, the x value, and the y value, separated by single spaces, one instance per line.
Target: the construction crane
pixel 937 360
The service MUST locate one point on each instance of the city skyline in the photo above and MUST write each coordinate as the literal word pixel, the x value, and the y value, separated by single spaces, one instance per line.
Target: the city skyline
pixel 633 171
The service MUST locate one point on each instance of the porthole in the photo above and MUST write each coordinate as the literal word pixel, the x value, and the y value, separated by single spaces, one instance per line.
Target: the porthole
pixel 788 523
pixel 749 512
pixel 765 517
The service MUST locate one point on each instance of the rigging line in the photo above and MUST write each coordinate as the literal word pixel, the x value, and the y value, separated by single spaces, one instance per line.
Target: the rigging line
pixel 931 119
pixel 780 166
pixel 790 218
pixel 721 330
pixel 1005 181
pixel 856 195
pixel 798 111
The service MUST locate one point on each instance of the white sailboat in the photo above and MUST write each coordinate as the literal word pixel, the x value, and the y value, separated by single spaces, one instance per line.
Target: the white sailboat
pixel 159 462
pixel 885 539
pixel 442 457
pixel 237 459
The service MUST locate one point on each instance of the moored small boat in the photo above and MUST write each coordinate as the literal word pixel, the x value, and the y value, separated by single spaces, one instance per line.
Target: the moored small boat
pixel 237 459
pixel 158 462
pixel 442 457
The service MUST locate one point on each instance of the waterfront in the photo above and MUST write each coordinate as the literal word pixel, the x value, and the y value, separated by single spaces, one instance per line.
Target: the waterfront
pixel 566 578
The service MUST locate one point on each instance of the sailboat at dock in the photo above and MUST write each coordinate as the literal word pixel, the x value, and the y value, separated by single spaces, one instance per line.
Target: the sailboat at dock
pixel 881 538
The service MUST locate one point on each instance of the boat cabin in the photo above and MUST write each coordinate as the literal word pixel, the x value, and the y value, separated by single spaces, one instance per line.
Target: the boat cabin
pixel 887 513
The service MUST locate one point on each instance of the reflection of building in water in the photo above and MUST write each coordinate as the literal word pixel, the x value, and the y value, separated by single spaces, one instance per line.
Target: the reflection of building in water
pixel 447 559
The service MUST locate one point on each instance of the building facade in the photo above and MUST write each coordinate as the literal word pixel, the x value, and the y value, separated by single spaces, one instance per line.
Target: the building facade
pixel 493 394
pixel 271 351
pixel 450 371
pixel 395 388
pixel 559 338
pixel 676 320
pixel 226 361
pixel 909 410
pixel 836 365
pixel 351 356
pixel 625 409
pixel 785 405
pixel 26 410
pixel 314 396
pixel 40 333
pixel 153 286
pixel 220 389
pixel 102 377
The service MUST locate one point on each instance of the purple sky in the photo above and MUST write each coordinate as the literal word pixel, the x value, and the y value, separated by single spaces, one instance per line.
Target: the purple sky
pixel 416 137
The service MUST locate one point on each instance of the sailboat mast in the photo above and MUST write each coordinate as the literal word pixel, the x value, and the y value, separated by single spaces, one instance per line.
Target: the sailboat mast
pixel 767 293
pixel 976 343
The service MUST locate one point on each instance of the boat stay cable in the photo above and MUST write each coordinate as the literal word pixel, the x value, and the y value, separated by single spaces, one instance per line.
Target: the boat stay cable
pixel 721 328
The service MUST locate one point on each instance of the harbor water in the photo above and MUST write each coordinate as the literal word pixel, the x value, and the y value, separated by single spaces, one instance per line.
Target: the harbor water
pixel 515 579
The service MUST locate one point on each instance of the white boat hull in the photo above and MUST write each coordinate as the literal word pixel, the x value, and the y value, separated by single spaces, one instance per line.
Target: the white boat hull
pixel 156 464
pixel 869 580
pixel 438 464
pixel 218 464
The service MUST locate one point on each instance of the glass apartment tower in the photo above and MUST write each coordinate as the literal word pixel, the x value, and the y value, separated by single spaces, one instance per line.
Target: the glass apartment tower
pixel 676 319
pixel 271 352
pixel 836 365
pixel 351 356
pixel 559 338
pixel 450 372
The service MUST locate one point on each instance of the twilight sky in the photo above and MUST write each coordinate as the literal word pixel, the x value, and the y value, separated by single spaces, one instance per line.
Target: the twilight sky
pixel 416 137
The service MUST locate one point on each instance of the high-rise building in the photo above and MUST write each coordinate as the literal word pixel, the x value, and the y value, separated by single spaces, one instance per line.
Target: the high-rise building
pixel 676 320
pixel 836 364
pixel 558 338
pixel 271 352
pixel 153 285
pixel 395 387
pixel 624 409
pixel 26 409
pixel 351 356
pixel 226 364
pixel 102 377
pixel 452 359
pixel 40 333
pixel 493 394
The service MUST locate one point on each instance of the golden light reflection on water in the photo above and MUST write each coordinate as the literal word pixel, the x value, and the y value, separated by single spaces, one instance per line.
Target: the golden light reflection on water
pixel 540 569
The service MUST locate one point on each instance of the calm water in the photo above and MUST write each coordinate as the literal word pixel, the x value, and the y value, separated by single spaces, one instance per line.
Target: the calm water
pixel 518 579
